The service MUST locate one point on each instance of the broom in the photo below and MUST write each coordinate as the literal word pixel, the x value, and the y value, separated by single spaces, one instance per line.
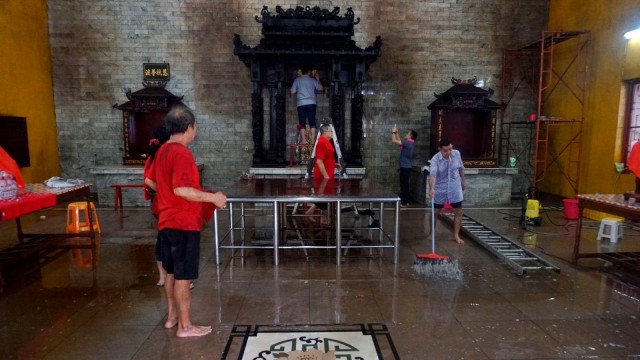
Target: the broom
pixel 432 264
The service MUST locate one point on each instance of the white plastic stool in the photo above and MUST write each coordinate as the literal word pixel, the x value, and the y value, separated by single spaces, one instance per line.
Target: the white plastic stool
pixel 615 229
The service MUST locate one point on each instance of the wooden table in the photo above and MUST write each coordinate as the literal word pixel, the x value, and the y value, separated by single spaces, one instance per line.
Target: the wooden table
pixel 40 197
pixel 615 205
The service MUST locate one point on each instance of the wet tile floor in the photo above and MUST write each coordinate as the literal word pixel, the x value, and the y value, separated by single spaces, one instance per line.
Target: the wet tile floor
pixel 61 308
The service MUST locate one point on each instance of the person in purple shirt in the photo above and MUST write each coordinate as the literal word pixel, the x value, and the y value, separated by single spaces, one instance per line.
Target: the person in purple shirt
pixel 407 146
pixel 447 182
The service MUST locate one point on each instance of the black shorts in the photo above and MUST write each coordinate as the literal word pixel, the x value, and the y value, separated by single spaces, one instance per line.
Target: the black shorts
pixel 456 205
pixel 180 252
pixel 307 113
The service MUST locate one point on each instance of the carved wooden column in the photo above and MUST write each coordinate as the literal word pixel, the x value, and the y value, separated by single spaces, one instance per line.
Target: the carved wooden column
pixel 337 112
pixel 281 132
pixel 257 126
pixel 357 111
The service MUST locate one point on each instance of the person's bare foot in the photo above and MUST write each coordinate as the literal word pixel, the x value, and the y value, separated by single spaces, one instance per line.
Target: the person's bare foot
pixel 170 323
pixel 458 240
pixel 194 330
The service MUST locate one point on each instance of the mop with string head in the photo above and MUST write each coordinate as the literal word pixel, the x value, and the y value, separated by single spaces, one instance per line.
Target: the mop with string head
pixel 434 265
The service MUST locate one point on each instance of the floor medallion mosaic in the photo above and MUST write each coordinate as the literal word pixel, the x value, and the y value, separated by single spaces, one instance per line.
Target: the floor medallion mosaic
pixel 322 342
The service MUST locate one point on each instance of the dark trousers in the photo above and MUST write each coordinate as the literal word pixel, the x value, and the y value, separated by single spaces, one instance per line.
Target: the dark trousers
pixel 405 173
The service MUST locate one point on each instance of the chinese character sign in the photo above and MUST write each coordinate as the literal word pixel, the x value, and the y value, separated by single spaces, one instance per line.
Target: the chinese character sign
pixel 156 71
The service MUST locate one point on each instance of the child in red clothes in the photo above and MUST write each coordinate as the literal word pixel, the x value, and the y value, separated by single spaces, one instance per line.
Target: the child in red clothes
pixel 159 137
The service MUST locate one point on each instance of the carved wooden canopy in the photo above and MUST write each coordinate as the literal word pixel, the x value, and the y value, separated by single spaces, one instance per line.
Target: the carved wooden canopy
pixel 313 37
pixel 464 94
pixel 310 36
pixel 151 97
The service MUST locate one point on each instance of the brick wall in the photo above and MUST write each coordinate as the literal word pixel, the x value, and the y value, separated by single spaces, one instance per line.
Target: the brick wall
pixel 98 47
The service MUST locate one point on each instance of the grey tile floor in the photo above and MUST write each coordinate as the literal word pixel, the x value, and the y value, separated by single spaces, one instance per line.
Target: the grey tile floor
pixel 64 309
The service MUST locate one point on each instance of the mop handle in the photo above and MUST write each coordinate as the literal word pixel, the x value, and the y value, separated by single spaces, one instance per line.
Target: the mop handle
pixel 433 226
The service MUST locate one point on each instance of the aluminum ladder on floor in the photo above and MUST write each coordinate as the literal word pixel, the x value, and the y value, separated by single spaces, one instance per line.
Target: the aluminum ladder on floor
pixel 519 258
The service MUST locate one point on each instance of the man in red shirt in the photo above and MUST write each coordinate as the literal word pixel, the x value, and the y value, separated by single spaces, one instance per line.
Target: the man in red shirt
pixel 324 167
pixel 176 179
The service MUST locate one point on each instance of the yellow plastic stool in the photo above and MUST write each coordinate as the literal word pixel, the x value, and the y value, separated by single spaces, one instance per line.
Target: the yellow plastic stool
pixel 78 218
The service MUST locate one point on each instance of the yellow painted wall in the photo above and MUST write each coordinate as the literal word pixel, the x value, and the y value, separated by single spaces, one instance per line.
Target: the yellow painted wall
pixel 26 88
pixel 613 59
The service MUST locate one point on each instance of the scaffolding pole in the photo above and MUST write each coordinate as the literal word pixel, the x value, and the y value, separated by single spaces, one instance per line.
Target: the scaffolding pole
pixel 545 82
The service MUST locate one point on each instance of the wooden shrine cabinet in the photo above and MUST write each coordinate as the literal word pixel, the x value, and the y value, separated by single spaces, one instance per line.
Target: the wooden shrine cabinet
pixel 465 116
pixel 318 38
pixel 141 115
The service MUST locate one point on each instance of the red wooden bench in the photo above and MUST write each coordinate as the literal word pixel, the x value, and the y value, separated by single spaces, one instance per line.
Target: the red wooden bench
pixel 117 199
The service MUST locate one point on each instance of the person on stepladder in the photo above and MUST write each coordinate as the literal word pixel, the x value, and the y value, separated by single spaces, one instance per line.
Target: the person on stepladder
pixel 305 88
pixel 447 183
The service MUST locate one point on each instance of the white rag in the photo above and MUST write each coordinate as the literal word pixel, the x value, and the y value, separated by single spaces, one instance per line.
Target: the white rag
pixel 58 182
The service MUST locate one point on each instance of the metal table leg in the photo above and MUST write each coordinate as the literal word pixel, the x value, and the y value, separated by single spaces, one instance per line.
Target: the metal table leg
pixel 338 233
pixel 276 230
pixel 216 238
pixel 396 240
pixel 242 232
pixel 381 231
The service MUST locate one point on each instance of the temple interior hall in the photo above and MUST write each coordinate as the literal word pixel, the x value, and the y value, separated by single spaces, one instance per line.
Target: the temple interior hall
pixel 540 97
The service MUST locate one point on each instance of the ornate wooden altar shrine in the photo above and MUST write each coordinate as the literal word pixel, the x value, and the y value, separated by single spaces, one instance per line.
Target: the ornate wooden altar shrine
pixel 320 39
pixel 145 111
pixel 465 115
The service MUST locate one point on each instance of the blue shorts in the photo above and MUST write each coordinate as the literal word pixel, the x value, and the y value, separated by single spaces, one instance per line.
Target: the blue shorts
pixel 307 112
pixel 180 252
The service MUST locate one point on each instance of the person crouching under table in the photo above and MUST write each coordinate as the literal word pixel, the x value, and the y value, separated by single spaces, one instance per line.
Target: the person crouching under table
pixel 446 183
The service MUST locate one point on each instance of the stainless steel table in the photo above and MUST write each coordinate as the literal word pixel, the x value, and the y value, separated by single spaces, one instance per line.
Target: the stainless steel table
pixel 276 194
